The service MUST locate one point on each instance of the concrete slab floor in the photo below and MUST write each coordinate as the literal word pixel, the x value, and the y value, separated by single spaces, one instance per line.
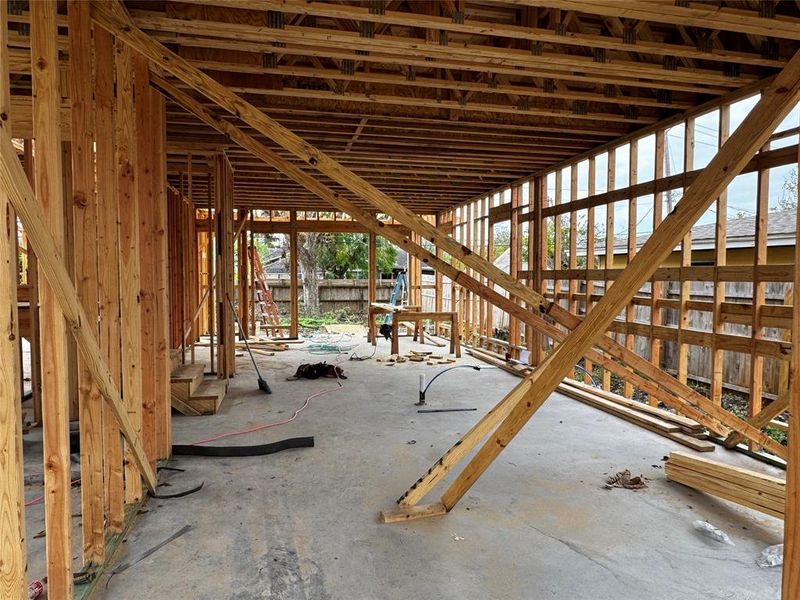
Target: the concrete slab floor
pixel 303 524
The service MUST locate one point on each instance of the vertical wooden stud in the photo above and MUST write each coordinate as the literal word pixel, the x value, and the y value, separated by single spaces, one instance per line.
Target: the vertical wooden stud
pixel 294 324
pixel 108 265
pixel 686 261
pixel 13 566
pixel 84 207
pixel 130 281
pixel 146 196
pixel 55 392
pixel 720 260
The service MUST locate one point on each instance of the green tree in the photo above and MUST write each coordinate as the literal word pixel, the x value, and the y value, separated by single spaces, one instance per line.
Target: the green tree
pixel 343 255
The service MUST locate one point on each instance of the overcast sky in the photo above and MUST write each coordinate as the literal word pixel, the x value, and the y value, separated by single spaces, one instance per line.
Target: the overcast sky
pixel 741 192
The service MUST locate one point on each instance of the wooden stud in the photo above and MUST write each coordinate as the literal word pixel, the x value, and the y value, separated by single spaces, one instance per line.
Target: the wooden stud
pixel 294 312
pixel 791 524
pixel 759 295
pixel 108 267
pixel 720 260
pixel 55 384
pixel 630 309
pixel 590 258
pixel 163 364
pixel 84 206
pixel 13 568
pixel 686 262
pixel 656 287
pixel 33 281
pixel 146 197
pixel 130 280
pixel 611 178
pixel 372 269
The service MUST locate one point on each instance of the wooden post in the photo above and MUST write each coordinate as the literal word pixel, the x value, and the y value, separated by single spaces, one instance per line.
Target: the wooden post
pixel 759 295
pixel 514 251
pixel 656 286
pixel 791 520
pixel 55 392
pixel 13 567
pixel 212 276
pixel 84 206
pixel 163 364
pixel 147 196
pixel 590 258
pixel 293 288
pixel 372 275
pixel 686 261
pixel 69 262
pixel 130 281
pixel 108 266
pixel 538 257
pixel 244 306
pixel 720 260
pixel 630 308
pixel 609 254
pixel 225 237
pixel 33 280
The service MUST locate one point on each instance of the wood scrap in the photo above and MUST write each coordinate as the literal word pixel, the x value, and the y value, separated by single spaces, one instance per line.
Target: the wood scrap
pixel 758 491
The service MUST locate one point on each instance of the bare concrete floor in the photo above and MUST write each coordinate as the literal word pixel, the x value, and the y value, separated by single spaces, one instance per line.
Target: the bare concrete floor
pixel 303 524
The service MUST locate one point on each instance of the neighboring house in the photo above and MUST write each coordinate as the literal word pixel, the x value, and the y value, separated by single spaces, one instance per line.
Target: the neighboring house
pixel 781 239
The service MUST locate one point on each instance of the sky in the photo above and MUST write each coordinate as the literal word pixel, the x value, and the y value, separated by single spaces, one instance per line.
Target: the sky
pixel 741 192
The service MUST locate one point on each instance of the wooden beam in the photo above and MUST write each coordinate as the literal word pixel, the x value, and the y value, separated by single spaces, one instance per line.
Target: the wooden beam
pixel 474 26
pixel 157 112
pixel 696 14
pixel 293 277
pixel 791 524
pixel 55 384
pixel 108 266
pixel 130 281
pixel 552 64
pixel 372 269
pixel 13 570
pixel 146 198
pixel 12 179
pixel 775 103
pixel 84 207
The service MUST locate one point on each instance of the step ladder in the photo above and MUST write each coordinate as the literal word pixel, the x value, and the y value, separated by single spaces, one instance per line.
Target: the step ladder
pixel 266 309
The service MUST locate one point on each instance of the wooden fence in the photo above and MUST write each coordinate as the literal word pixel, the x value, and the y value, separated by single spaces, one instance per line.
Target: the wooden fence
pixel 334 294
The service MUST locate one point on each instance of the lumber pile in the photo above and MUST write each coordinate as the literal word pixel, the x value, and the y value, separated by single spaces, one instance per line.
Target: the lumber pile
pixel 675 427
pixel 760 492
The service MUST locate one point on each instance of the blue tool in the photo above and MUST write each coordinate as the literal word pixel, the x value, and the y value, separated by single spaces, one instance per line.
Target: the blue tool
pixel 399 292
